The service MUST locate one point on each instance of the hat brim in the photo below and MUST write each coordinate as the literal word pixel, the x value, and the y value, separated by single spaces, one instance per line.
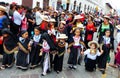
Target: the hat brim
pixel 93 42
pixel 118 27
pixel 65 37
pixel 107 17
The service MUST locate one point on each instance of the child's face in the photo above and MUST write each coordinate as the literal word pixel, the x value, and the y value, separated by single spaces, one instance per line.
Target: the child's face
pixel 77 32
pixel 51 23
pixel 92 46
pixel 5 35
pixel 107 33
pixel 36 31
pixel 25 35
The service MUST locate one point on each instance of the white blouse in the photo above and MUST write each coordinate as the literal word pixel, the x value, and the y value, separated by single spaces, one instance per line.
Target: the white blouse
pixel 106 40
pixel 45 45
pixel 52 31
pixel 92 56
pixel 77 41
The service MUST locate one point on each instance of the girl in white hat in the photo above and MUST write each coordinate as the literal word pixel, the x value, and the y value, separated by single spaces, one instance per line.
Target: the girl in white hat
pixel 91 56
pixel 58 60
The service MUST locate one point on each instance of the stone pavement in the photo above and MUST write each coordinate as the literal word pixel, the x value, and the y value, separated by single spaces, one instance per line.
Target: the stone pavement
pixel 66 73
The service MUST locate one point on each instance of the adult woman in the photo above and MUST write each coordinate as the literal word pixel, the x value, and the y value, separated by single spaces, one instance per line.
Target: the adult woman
pixel 105 25
pixel 30 20
pixel 90 29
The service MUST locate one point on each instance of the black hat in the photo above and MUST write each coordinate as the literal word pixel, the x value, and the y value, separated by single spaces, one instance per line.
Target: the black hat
pixel 38 28
pixel 6 31
pixel 23 31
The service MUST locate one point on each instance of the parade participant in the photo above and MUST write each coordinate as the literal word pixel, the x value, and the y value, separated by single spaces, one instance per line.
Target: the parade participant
pixel 4 23
pixel 91 56
pixel 97 20
pixel 90 29
pixel 116 42
pixel 35 45
pixel 82 34
pixel 9 46
pixel 52 31
pixel 69 24
pixel 105 25
pixel 78 20
pixel 74 46
pixel 105 46
pixel 24 24
pixel 31 21
pixel 47 46
pixel 117 56
pixel 38 16
pixel 62 17
pixel 61 28
pixel 101 32
pixel 17 20
pixel 58 60
pixel 22 55
pixel 55 16
pixel 44 24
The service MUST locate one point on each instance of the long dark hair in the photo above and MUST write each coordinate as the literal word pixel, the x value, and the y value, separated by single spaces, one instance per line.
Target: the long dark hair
pixel 49 41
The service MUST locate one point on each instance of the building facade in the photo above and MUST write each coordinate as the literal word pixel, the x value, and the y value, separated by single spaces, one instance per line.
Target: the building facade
pixel 77 5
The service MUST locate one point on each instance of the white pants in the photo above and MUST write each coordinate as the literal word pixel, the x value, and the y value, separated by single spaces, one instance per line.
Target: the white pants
pixel 46 63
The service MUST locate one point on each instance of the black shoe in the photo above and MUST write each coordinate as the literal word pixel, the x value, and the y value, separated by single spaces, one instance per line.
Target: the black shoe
pixel 70 67
pixel 57 72
pixel 74 67
pixel 43 74
pixel 79 63
pixel 48 71
pixel 102 71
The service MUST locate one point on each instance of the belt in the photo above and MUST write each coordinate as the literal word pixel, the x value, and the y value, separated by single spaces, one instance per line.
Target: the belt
pixel 77 46
pixel 46 50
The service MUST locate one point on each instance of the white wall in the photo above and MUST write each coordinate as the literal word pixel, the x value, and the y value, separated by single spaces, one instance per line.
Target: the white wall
pixel 53 3
pixel 41 3
pixel 19 2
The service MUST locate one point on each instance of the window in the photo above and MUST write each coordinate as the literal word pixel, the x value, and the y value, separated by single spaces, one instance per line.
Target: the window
pixel 74 5
pixel 85 8
pixel 88 8
pixel 79 6
pixel 68 3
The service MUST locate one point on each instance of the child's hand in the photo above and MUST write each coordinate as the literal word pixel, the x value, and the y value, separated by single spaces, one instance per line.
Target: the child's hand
pixel 118 47
pixel 68 50
pixel 101 51
pixel 41 50
pixel 82 52
pixel 29 48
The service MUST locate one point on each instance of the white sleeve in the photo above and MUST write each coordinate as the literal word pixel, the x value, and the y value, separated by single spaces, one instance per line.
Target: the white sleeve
pixel 98 53
pixel 21 17
pixel 86 52
pixel 118 37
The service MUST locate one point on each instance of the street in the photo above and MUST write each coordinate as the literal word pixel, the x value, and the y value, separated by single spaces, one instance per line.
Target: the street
pixel 66 73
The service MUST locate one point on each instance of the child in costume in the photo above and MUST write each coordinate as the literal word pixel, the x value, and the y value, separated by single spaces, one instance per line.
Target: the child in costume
pixel 35 45
pixel 74 47
pixel 117 56
pixel 47 46
pixel 91 56
pixel 58 60
pixel 9 46
pixel 22 56
pixel 105 46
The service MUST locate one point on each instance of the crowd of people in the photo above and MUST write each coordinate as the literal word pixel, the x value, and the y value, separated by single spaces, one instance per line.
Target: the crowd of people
pixel 34 37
